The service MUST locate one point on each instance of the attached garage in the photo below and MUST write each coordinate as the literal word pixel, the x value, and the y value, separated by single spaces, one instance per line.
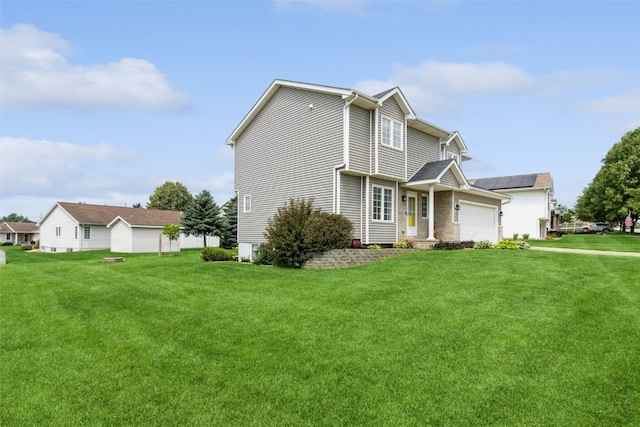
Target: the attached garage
pixel 478 222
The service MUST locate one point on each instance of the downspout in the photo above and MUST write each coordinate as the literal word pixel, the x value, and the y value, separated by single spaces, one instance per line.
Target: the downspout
pixel 345 155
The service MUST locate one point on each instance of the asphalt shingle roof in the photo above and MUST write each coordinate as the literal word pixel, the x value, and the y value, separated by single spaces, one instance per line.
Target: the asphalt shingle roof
pixel 102 215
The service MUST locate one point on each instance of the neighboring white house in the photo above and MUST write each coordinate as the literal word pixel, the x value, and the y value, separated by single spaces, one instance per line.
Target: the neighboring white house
pixel 70 227
pixel 19 232
pixel 530 208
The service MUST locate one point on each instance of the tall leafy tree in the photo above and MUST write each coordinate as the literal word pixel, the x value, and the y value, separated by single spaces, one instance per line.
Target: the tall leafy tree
pixel 14 217
pixel 202 217
pixel 170 196
pixel 613 193
pixel 229 238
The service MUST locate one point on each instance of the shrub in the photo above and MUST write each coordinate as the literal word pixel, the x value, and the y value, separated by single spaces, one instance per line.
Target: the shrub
pixel 374 247
pixel 216 254
pixel 265 255
pixel 7 244
pixel 284 233
pixel 26 247
pixel 511 244
pixel 325 231
pixel 405 244
pixel 515 236
pixel 483 244
pixel 525 236
pixel 449 246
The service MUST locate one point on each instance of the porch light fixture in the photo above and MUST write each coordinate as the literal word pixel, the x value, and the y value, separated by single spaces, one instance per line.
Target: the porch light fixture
pixel 500 213
pixel 457 207
pixel 404 198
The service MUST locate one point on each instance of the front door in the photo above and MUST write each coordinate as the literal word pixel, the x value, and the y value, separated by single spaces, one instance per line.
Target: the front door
pixel 412 224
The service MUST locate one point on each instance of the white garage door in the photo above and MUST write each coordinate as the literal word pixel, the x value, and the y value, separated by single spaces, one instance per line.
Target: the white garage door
pixel 478 222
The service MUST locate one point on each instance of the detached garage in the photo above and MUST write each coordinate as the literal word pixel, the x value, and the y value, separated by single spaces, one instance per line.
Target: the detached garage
pixel 478 221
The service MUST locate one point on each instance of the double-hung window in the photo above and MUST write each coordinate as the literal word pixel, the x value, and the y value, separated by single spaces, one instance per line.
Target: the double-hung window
pixel 391 133
pixel 58 231
pixel 247 203
pixel 425 206
pixel 87 233
pixel 382 203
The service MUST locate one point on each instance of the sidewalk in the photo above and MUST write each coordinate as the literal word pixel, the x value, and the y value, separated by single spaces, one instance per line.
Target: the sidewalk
pixel 585 251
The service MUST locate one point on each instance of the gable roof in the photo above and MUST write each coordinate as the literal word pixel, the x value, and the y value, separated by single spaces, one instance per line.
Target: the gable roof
pixel 147 218
pixel 511 182
pixel 358 98
pixel 400 99
pixel 346 94
pixel 19 227
pixel 432 172
pixel 89 214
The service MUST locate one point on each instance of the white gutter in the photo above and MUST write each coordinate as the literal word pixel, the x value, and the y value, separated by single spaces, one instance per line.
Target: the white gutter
pixel 345 154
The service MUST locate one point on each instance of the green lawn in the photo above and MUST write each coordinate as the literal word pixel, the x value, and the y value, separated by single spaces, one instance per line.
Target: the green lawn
pixel 617 241
pixel 473 337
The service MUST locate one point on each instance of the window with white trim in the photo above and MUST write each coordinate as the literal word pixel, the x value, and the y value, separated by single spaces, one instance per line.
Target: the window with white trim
pixel 425 206
pixel 58 231
pixel 382 203
pixel 247 203
pixel 87 233
pixel 454 156
pixel 75 233
pixel 391 133
pixel 8 236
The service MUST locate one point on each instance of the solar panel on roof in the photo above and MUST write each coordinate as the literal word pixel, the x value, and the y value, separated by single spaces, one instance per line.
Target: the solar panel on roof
pixel 505 182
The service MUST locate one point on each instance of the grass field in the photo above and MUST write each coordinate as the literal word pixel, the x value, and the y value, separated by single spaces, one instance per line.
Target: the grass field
pixel 474 337
pixel 617 241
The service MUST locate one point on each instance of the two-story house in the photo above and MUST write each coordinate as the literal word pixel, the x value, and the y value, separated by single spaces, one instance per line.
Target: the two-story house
pixel 370 158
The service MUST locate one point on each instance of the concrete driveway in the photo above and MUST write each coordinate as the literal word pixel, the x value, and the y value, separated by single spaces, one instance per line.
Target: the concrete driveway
pixel 585 251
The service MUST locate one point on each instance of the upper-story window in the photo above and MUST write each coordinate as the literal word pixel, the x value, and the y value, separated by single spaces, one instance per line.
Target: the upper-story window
pixel 58 231
pixel 247 203
pixel 391 133
pixel 382 203
pixel 454 156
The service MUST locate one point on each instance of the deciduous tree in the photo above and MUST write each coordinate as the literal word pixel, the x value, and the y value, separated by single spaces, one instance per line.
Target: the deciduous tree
pixel 172 231
pixel 14 217
pixel 170 196
pixel 613 193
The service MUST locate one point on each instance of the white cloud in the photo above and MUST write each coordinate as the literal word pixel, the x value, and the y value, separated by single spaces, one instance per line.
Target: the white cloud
pixel 341 6
pixel 627 103
pixel 59 169
pixel 435 86
pixel 37 75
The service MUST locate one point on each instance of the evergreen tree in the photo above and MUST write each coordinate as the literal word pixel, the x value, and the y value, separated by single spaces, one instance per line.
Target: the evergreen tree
pixel 229 237
pixel 202 217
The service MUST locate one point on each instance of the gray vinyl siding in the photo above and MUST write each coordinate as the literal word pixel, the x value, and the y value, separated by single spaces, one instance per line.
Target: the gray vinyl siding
pixel 288 151
pixel 421 148
pixel 450 179
pixel 391 162
pixel 360 139
pixel 351 189
pixel 382 232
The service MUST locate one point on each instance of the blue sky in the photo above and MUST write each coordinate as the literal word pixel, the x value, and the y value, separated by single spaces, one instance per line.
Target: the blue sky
pixel 102 102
